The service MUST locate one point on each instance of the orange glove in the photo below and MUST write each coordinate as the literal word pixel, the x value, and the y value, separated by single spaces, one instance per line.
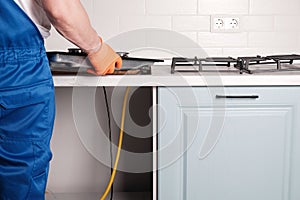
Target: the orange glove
pixel 104 60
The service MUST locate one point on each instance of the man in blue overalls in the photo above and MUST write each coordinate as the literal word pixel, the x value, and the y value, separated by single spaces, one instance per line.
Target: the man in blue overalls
pixel 27 104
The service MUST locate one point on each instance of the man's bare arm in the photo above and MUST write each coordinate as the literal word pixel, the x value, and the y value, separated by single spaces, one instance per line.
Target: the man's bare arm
pixel 71 20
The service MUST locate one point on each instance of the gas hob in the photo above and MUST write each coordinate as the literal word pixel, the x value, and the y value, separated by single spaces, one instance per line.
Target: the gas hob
pixel 75 62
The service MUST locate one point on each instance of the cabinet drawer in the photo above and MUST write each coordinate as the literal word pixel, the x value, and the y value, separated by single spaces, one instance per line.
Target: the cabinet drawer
pixel 221 96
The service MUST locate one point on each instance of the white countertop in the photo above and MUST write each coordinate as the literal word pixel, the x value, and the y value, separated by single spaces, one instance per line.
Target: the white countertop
pixel 161 76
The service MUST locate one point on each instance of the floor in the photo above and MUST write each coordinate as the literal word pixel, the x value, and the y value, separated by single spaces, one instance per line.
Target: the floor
pixel 95 196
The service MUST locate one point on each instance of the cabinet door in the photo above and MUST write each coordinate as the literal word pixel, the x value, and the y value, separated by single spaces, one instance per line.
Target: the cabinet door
pixel 229 143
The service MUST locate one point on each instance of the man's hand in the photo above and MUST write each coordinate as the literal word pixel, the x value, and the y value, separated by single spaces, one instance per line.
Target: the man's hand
pixel 104 60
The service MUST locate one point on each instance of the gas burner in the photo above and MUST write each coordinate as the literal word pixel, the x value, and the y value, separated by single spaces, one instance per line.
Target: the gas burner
pixel 201 64
pixel 243 63
pixel 271 63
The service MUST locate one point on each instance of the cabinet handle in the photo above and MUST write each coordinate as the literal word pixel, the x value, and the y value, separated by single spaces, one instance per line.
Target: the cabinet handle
pixel 237 96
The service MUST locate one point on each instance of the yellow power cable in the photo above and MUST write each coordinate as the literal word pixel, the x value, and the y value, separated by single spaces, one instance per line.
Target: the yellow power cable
pixel 119 146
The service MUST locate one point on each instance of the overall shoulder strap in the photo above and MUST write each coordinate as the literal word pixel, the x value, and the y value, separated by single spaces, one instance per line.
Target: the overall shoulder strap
pixel 16 28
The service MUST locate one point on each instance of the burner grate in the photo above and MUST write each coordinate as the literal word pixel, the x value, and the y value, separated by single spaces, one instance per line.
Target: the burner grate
pixel 289 59
pixel 271 63
pixel 274 62
pixel 200 63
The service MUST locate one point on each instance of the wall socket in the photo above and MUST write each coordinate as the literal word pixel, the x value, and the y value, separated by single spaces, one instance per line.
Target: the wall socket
pixel 225 23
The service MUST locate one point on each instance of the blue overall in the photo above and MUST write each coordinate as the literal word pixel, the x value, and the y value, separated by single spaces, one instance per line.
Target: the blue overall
pixel 27 107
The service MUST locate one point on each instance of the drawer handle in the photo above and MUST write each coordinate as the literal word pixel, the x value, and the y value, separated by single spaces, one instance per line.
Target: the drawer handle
pixel 237 96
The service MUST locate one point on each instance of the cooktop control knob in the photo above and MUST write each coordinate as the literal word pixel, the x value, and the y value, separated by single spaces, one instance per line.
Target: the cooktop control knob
pixel 123 54
pixel 76 51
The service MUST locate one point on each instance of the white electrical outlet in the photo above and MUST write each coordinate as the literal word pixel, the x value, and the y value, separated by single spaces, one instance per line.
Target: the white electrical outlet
pixel 225 23
pixel 218 23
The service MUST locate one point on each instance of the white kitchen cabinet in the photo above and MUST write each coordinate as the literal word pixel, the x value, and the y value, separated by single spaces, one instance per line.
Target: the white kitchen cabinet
pixel 228 143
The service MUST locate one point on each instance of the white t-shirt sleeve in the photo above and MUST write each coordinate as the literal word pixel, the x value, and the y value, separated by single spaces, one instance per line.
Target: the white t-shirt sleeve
pixel 37 14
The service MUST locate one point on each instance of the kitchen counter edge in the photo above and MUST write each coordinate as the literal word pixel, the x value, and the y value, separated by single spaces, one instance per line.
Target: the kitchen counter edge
pixel 161 76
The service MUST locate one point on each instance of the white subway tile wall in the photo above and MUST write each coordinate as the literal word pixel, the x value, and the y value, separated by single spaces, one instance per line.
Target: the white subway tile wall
pixel 272 39
pixel 258 23
pixel 274 7
pixel 191 23
pixel 171 7
pixel 267 26
pixel 208 7
pixel 129 23
pixel 287 23
pixel 119 7
pixel 191 35
pixel 222 39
